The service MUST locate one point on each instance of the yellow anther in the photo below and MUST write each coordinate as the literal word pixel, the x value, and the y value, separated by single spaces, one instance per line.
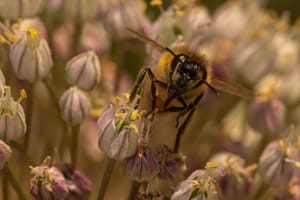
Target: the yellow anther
pixel 120 115
pixel 95 112
pixel 126 95
pixel 297 164
pixel 134 127
pixel 156 3
pixel 211 165
pixel 282 145
pixel 5 87
pixel 117 100
pixel 9 36
pixel 23 94
pixel 32 32
pixel 134 115
pixel 179 12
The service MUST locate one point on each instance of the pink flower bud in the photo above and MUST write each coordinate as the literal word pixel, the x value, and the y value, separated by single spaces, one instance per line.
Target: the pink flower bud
pixel 74 105
pixel 83 70
pixel 15 9
pixel 31 57
pixel 267 116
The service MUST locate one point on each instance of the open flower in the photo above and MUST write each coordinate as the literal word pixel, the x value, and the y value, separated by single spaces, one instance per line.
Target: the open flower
pixel 12 116
pixel 118 132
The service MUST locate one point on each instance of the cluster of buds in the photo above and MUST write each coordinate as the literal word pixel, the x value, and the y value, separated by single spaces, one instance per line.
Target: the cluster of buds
pixel 58 182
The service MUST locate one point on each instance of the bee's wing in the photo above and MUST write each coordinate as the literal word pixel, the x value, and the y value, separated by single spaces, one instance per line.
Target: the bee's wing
pixel 231 88
pixel 147 39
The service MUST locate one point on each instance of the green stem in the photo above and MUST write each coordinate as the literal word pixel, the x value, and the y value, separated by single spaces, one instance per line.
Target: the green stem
pixel 135 186
pixel 5 187
pixel 29 112
pixel 105 179
pixel 74 143
pixel 12 180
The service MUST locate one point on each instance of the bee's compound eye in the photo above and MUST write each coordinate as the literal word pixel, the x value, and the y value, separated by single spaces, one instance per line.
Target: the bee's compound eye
pixel 181 58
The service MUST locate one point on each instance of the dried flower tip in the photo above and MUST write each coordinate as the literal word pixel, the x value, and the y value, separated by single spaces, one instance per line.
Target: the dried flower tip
pixel 211 165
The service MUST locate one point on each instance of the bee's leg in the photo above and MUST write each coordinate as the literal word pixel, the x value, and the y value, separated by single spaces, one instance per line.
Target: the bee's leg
pixel 190 109
pixel 136 89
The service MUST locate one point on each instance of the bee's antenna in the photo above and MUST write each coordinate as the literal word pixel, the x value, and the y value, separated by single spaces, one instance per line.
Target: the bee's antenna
pixel 211 87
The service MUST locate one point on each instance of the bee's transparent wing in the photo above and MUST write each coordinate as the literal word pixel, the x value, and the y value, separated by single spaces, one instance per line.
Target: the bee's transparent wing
pixel 146 39
pixel 231 88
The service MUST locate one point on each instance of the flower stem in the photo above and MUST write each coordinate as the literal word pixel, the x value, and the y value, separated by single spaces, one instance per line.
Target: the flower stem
pixel 12 180
pixel 74 143
pixel 29 111
pixel 4 187
pixel 135 186
pixel 105 179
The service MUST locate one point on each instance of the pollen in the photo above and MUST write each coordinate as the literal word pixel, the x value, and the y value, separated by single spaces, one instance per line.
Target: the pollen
pixel 156 3
pixel 134 115
pixel 126 95
pixel 134 127
pixel 120 115
pixel 32 32
pixel 282 145
pixel 211 165
pixel 23 94
pixel 117 100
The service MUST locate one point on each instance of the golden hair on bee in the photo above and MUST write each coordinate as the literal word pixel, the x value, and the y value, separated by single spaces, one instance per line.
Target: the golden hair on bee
pixel 177 82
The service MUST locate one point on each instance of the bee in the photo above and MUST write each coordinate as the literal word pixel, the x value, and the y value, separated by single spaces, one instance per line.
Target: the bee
pixel 177 84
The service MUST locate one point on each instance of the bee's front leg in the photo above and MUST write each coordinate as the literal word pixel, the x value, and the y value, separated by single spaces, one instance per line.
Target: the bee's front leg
pixel 190 109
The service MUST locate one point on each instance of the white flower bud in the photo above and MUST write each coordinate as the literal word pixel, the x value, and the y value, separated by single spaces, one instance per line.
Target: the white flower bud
pixel 30 57
pixel 84 70
pixel 5 153
pixel 15 9
pixel 74 105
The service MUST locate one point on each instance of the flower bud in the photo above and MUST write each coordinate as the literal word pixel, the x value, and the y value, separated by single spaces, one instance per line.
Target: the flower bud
pixel 79 186
pixel 143 166
pixel 15 9
pixel 83 70
pixel 122 15
pixel 230 20
pixel 272 166
pixel 118 133
pixel 267 115
pixel 47 183
pixel 74 105
pixel 5 153
pixel 199 185
pixel 12 117
pixel 81 10
pixel 30 57
pixel 171 164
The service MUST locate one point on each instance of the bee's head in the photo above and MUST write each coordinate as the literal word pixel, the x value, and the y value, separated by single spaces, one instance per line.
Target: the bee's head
pixel 186 73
